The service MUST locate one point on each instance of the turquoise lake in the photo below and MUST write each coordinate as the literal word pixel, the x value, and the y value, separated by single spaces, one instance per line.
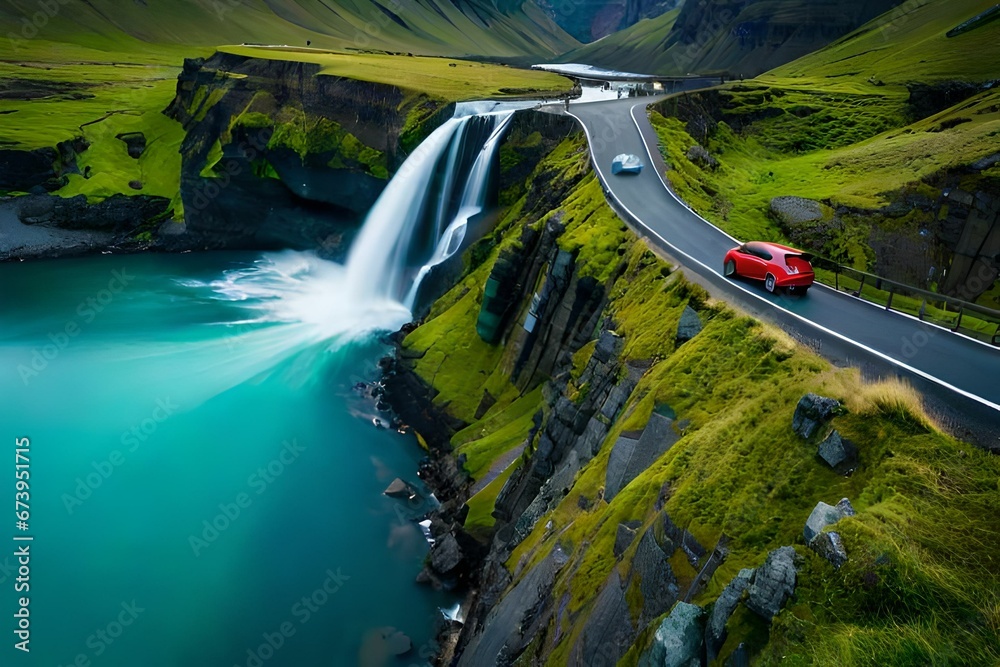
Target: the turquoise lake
pixel 200 464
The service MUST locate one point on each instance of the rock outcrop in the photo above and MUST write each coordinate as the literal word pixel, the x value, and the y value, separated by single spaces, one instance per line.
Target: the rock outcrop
pixel 828 544
pixel 838 453
pixel 678 640
pixel 824 515
pixel 773 583
pixel 813 412
pixel 689 325
pixel 317 149
pixel 629 457
pixel 725 605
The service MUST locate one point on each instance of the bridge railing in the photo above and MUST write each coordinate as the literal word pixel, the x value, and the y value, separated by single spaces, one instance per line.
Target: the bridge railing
pixel 971 319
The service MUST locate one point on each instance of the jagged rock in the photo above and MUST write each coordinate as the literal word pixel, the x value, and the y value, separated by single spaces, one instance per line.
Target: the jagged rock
pixel 608 346
pixel 446 554
pixel 656 580
pixel 793 211
pixel 824 515
pixel 689 326
pixel 845 506
pixel 986 162
pixel 830 546
pixel 514 618
pixel 715 628
pixel 702 157
pixel 608 630
pixel 117 213
pixel 838 453
pixel 773 583
pixel 399 489
pixel 623 538
pixel 678 640
pixel 812 412
pixel 630 457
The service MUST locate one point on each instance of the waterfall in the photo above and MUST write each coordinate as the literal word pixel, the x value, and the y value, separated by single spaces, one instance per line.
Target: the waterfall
pixel 472 203
pixel 419 221
pixel 379 261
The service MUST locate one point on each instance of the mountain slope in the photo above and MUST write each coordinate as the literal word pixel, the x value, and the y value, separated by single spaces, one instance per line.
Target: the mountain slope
pixel 588 20
pixel 909 43
pixel 629 49
pixel 735 37
pixel 433 27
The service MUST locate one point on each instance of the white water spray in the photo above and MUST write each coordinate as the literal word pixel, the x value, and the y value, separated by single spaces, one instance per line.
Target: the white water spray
pixel 308 302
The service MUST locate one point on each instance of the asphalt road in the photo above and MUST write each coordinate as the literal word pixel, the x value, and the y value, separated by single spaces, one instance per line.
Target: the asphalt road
pixel 939 362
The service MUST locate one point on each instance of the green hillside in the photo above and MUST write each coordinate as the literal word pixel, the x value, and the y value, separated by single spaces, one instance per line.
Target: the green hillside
pixel 734 37
pixel 909 43
pixel 628 50
pixel 875 128
pixel 433 27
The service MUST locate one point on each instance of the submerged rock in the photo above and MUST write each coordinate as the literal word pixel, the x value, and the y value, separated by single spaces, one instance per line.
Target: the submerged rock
pixel 677 642
pixel 379 645
pixel 399 489
pixel 812 412
pixel 773 583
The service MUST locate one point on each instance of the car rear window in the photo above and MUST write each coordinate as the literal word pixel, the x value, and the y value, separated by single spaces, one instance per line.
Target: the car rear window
pixel 758 250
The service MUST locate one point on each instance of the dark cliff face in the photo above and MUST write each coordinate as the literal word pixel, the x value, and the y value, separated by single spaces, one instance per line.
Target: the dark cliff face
pixel 277 155
pixel 588 20
pixel 748 37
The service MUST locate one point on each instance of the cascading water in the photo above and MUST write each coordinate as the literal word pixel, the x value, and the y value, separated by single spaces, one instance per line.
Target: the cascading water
pixel 418 222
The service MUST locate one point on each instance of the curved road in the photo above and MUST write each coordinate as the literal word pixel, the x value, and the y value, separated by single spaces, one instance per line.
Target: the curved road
pixel 851 330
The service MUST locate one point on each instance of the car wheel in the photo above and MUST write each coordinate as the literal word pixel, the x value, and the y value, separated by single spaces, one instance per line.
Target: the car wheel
pixel 800 290
pixel 770 284
pixel 729 269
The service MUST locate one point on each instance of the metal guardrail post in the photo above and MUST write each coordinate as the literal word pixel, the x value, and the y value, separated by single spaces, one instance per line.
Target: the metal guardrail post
pixel 996 334
pixel 888 304
pixel 861 287
pixel 958 322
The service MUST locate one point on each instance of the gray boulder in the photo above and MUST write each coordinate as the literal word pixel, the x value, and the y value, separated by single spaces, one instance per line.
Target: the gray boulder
pixel 812 412
pixel 399 489
pixel 824 515
pixel 773 583
pixel 677 642
pixel 831 547
pixel 838 453
pixel 608 346
pixel 715 628
pixel 793 211
pixel 698 155
pixel 689 325
pixel 446 554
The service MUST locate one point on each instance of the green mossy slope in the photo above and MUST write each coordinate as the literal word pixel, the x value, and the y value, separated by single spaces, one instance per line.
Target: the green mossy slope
pixel 921 585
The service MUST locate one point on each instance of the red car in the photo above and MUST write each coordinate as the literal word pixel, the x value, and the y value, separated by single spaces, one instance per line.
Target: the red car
pixel 779 266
